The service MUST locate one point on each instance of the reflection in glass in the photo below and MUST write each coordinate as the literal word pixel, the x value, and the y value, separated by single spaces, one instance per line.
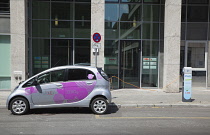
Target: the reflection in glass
pixel 131 0
pixel 40 55
pixel 130 30
pixel 150 31
pixel 197 14
pixel 150 51
pixel 62 29
pixel 82 29
pixel 129 63
pixel 82 51
pixel 61 52
pixel 41 10
pixel 197 31
pixel 199 79
pixel 151 12
pixel 111 61
pixel 112 30
pixel 196 55
pixel 130 12
pixel 112 12
pixel 41 28
pixel 82 11
pixel 62 11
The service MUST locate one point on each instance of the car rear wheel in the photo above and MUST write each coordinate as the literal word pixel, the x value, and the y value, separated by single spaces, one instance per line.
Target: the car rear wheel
pixel 19 106
pixel 99 106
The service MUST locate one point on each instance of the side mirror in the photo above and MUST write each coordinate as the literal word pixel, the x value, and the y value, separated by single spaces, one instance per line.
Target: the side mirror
pixel 36 82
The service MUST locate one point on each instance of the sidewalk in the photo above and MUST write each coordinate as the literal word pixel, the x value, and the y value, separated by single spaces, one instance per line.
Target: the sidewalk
pixel 147 98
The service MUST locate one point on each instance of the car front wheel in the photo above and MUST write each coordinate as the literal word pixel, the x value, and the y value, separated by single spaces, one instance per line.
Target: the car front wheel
pixel 99 106
pixel 19 106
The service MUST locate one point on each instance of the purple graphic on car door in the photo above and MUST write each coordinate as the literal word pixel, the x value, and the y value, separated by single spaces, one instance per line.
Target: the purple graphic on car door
pixel 30 90
pixel 73 91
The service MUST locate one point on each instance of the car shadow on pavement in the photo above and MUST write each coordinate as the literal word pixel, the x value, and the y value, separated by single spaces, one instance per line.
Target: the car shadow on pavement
pixel 113 108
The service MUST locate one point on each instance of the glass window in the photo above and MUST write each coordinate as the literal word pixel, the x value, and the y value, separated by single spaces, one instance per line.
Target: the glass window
pixel 82 29
pixel 40 55
pixel 5 24
pixel 111 12
pixel 130 30
pixel 183 16
pixel 183 31
pixel 111 60
pixel 131 1
pixel 151 12
pixel 129 62
pixel 82 52
pixel 41 28
pixel 62 11
pixel 5 56
pixel 41 10
pixel 4 7
pixel 62 29
pixel 83 0
pixel 150 51
pixel 61 52
pixel 29 83
pixel 111 0
pixel 57 76
pixel 82 11
pixel 54 76
pixel 198 1
pixel 80 74
pixel 112 30
pixel 197 31
pixel 151 1
pixel 130 12
pixel 150 31
pixel 197 14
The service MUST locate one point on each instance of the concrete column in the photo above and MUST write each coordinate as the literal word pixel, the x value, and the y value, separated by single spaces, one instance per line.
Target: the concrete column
pixel 172 36
pixel 97 26
pixel 208 66
pixel 19 43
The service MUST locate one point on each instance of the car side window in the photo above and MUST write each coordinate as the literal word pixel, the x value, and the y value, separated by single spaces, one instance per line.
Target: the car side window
pixel 54 76
pixel 29 83
pixel 80 74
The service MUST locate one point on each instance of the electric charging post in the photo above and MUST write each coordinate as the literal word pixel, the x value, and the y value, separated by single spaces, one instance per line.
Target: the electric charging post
pixel 187 88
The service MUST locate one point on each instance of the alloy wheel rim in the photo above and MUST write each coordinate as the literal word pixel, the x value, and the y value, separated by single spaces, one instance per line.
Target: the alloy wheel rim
pixel 19 106
pixel 99 106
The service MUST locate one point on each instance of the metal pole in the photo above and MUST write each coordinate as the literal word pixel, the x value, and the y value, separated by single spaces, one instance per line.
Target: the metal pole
pixel 95 57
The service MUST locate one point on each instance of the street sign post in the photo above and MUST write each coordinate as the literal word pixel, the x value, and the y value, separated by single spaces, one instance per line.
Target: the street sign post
pixel 96 45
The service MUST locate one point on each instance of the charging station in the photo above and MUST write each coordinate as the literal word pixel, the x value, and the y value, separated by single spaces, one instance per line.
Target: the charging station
pixel 187 88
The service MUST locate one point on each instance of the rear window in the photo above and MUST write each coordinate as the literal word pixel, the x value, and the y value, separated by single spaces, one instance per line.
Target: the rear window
pixel 80 74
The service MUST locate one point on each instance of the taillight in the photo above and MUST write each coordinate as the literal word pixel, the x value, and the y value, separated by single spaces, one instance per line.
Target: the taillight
pixel 103 74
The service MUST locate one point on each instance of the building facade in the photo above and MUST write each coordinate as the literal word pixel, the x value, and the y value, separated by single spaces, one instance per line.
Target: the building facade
pixel 145 43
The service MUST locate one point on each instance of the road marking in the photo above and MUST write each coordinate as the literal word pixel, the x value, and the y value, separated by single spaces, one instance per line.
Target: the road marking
pixel 98 117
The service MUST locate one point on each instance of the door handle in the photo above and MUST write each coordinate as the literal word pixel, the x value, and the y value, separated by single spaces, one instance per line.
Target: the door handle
pixel 89 83
pixel 59 85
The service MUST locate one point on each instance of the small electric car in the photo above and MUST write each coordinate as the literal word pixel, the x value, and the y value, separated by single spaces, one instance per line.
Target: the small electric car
pixel 65 86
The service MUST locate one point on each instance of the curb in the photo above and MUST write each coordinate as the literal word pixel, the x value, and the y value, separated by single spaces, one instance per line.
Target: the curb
pixel 158 105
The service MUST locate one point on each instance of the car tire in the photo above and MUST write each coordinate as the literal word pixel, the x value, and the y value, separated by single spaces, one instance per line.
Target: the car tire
pixel 19 106
pixel 99 106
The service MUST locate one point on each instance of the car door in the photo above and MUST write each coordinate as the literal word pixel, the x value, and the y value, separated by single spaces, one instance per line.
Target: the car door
pixel 47 89
pixel 80 83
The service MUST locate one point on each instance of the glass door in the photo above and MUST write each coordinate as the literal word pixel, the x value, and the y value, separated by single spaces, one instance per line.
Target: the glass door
pixel 129 63
pixel 196 57
pixel 61 52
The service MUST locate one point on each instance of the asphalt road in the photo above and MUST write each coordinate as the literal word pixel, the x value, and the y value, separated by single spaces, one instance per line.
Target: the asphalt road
pixel 128 121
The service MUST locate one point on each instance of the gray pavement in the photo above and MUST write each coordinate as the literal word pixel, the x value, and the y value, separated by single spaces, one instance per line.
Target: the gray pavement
pixel 147 98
